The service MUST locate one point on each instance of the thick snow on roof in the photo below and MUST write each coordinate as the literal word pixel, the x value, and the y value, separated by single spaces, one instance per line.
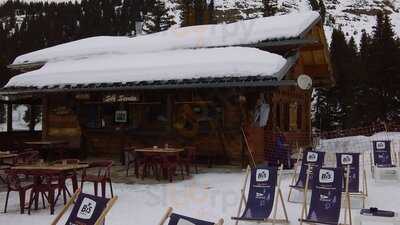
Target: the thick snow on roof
pixel 220 35
pixel 159 66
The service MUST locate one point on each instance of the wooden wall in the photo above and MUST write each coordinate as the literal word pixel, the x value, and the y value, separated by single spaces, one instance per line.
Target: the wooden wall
pixel 60 121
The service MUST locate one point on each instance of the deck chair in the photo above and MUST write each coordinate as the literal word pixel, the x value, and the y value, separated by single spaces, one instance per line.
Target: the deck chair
pixel 326 197
pixel 88 209
pixel 382 160
pixel 309 159
pixel 353 161
pixel 176 219
pixel 262 200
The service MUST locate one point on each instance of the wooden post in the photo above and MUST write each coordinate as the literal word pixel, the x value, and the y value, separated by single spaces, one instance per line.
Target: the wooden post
pixel 110 204
pixel 220 222
pixel 348 195
pixel 304 208
pixel 65 208
pixel 242 192
pixel 248 148
pixel 9 117
pixel 166 215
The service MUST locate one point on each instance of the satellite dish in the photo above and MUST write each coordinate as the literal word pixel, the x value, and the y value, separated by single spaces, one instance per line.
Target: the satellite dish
pixel 304 82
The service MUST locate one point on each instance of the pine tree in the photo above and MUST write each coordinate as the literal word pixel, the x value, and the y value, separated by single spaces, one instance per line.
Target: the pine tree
pixel 158 19
pixel 270 7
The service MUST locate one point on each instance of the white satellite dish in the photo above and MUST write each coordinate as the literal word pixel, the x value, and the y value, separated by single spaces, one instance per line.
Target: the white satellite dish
pixel 304 82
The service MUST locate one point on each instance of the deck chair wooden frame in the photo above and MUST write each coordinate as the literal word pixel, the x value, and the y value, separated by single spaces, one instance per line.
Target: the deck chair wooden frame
pixel 169 212
pixel 347 210
pixel 363 194
pixel 278 194
pixel 395 161
pixel 295 176
pixel 99 221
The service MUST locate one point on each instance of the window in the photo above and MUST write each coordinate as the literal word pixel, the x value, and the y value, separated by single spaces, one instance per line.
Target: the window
pixel 3 118
pixel 21 116
pixel 37 115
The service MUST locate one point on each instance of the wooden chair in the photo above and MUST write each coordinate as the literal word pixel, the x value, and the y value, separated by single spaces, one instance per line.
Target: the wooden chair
pixel 130 159
pixel 27 157
pixel 90 216
pixel 103 176
pixel 44 186
pixel 168 166
pixel 14 184
pixel 263 196
pixel 188 159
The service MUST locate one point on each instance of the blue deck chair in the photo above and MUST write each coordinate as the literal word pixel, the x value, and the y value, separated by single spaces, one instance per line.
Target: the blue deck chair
pixel 326 197
pixel 353 161
pixel 176 219
pixel 310 159
pixel 382 161
pixel 88 209
pixel 262 199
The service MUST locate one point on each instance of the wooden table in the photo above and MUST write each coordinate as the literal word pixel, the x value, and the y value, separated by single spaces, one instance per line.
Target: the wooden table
pixel 46 146
pixel 149 155
pixel 37 171
pixel 160 150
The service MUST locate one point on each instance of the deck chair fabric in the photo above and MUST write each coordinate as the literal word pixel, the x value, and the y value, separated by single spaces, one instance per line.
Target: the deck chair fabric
pixel 382 154
pixel 312 158
pixel 88 209
pixel 353 161
pixel 261 195
pixel 326 197
pixel 177 219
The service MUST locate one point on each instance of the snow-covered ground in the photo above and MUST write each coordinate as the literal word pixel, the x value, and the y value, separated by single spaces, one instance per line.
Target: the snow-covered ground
pixel 208 196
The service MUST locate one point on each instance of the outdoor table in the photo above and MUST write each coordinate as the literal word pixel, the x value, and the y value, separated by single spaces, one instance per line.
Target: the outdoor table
pixel 60 171
pixel 45 146
pixel 150 153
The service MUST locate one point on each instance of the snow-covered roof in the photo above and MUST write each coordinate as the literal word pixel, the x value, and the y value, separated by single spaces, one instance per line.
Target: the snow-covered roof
pixel 245 32
pixel 229 62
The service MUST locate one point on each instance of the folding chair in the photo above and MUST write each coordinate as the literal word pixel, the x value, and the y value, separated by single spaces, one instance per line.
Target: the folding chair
pixel 262 200
pixel 176 219
pixel 382 160
pixel 326 197
pixel 353 161
pixel 88 209
pixel 309 158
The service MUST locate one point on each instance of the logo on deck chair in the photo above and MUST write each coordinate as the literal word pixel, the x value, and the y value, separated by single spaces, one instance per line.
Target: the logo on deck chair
pixel 380 145
pixel 86 209
pixel 184 222
pixel 326 176
pixel 262 175
pixel 347 159
pixel 312 157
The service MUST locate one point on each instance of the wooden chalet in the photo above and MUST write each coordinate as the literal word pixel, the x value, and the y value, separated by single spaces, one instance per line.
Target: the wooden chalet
pixel 209 112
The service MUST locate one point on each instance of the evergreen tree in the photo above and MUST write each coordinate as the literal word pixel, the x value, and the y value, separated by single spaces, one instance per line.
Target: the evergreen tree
pixel 158 19
pixel 270 7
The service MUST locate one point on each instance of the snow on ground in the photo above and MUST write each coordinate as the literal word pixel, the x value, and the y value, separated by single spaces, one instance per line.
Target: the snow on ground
pixel 167 65
pixel 203 36
pixel 359 143
pixel 207 196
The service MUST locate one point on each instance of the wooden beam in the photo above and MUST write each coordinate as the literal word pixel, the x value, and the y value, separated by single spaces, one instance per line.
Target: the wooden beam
pixel 321 70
